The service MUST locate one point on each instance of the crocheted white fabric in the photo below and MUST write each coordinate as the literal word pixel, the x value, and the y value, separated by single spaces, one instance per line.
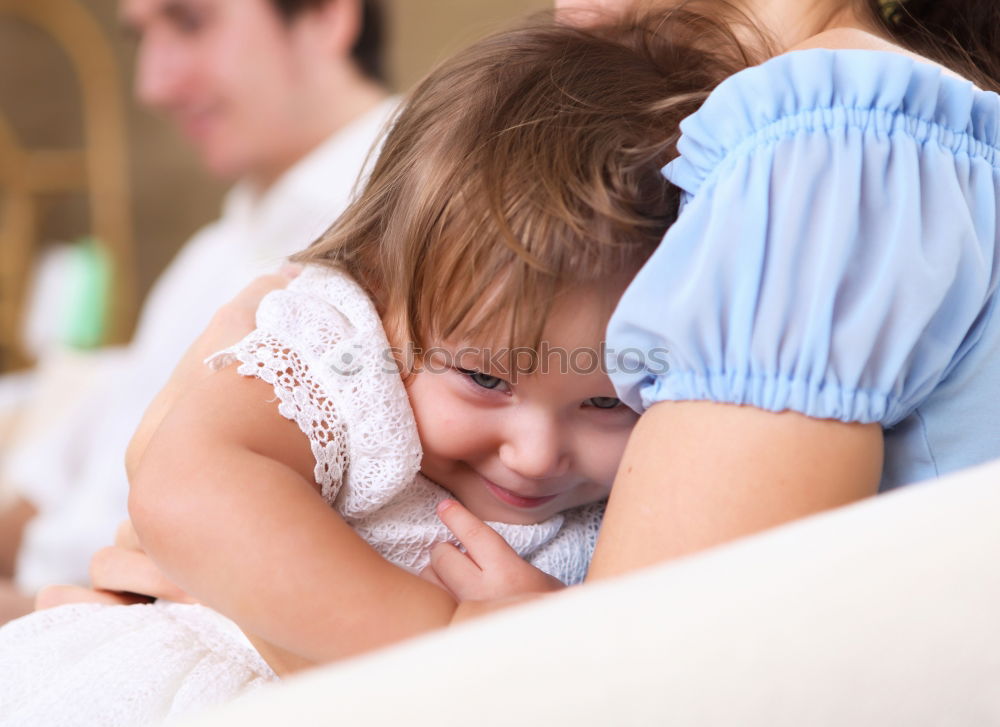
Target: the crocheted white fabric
pixel 321 345
pixel 122 666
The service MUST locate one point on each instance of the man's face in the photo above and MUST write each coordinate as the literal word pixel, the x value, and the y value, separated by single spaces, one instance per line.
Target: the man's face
pixel 232 75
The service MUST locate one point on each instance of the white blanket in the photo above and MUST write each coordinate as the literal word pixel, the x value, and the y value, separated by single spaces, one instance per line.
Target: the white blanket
pixel 122 666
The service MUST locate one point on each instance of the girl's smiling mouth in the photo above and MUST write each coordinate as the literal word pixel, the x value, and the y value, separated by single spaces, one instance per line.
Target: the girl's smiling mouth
pixel 511 498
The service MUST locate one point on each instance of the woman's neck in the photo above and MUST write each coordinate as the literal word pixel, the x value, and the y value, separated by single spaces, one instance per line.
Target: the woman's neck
pixel 797 25
pixel 791 23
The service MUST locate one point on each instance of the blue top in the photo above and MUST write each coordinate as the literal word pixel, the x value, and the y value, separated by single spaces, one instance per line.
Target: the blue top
pixel 836 254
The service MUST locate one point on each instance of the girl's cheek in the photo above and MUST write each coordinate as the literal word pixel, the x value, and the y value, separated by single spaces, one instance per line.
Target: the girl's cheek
pixel 452 430
pixel 451 416
pixel 607 456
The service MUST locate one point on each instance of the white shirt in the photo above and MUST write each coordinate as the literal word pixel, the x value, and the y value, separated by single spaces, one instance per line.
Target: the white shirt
pixel 74 473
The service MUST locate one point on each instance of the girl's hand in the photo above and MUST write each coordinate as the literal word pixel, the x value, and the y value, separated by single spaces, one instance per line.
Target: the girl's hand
pixel 230 323
pixel 489 570
pixel 121 574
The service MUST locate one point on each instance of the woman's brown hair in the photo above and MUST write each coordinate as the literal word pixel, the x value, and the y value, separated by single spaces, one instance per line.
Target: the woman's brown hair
pixel 525 164
pixel 963 35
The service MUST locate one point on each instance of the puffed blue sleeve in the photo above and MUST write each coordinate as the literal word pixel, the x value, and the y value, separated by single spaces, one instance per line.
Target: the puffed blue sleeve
pixel 836 249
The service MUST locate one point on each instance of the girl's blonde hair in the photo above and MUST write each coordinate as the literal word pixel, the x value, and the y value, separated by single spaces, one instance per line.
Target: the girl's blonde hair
pixel 525 164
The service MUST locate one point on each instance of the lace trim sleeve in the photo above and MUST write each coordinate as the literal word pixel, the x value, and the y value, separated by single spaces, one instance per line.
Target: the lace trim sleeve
pixel 319 343
pixel 301 399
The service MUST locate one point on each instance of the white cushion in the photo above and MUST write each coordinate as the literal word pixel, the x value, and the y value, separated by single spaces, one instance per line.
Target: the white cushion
pixel 885 612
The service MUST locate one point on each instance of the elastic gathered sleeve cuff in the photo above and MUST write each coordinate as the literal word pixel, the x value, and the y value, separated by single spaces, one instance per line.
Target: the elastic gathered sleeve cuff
pixel 836 250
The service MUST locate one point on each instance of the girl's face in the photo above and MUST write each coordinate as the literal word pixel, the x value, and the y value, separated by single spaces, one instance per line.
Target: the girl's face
pixel 520 447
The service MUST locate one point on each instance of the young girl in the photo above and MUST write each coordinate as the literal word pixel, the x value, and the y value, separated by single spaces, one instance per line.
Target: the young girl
pixel 515 195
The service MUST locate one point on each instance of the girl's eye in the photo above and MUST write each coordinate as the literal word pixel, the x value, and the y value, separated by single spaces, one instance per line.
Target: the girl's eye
pixel 604 402
pixel 484 381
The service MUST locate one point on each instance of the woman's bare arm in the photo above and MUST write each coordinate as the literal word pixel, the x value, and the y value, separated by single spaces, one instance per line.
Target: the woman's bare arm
pixel 697 474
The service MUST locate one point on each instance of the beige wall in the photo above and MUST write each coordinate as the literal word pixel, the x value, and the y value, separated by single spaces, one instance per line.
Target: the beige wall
pixel 39 96
pixel 171 198
pixel 425 31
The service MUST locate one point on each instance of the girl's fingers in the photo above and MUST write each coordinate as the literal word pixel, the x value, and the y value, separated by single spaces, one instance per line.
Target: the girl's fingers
pixel 430 576
pixel 483 543
pixel 132 571
pixel 490 569
pixel 454 569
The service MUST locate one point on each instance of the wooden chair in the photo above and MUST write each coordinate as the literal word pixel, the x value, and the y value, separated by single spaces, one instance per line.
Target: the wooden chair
pixel 98 169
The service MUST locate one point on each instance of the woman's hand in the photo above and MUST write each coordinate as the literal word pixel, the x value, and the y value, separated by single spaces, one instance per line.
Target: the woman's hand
pixel 121 574
pixel 490 573
pixel 230 323
pixel 13 603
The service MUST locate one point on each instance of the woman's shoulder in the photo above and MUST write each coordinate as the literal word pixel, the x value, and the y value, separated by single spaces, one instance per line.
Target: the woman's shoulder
pixel 839 79
pixel 847 38
pixel 857 39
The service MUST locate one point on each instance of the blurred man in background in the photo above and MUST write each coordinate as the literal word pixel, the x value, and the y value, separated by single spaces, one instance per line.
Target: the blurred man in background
pixel 285 98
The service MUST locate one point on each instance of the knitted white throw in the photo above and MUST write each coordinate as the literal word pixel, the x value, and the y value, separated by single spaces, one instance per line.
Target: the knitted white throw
pixel 321 345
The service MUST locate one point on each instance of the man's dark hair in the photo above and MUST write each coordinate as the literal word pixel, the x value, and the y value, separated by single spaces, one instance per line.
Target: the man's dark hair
pixel 367 51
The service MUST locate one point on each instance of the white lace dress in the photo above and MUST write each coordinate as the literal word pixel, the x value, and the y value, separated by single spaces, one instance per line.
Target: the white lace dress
pixel 321 345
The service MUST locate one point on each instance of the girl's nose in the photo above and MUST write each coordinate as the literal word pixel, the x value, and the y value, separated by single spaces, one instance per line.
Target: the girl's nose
pixel 535 449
